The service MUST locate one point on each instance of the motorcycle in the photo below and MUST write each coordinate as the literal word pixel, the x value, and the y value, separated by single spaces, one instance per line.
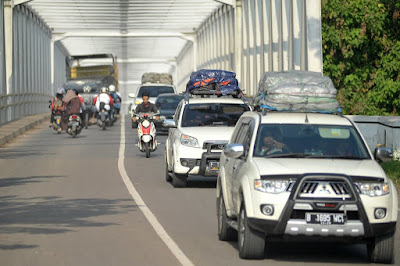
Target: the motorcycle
pixel 57 120
pixel 146 132
pixel 103 118
pixel 74 125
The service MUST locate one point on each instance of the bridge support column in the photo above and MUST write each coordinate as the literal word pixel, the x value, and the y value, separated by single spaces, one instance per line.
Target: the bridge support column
pixel 8 43
pixel 238 39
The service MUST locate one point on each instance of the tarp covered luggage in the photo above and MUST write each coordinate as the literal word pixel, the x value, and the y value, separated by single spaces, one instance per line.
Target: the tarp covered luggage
pixel 208 81
pixel 162 78
pixel 296 91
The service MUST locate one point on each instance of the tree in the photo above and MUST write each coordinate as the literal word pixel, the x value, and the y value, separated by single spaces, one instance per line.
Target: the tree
pixel 361 50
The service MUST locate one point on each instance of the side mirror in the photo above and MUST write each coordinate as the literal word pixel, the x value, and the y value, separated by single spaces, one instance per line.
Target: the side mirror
pixel 234 151
pixel 169 123
pixel 383 154
pixel 132 95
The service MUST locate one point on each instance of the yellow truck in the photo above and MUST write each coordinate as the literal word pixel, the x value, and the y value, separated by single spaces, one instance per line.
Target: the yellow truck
pixel 100 67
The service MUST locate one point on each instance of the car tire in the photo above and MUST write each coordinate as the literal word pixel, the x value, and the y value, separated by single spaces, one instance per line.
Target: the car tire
pixel 225 232
pixel 381 249
pixel 168 177
pixel 179 180
pixel 250 242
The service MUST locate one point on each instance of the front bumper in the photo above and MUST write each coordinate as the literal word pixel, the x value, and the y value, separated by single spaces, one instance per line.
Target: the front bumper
pixel 291 219
pixel 204 162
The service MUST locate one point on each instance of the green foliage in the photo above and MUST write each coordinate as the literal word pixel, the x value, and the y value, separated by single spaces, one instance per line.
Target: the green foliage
pixel 392 170
pixel 361 50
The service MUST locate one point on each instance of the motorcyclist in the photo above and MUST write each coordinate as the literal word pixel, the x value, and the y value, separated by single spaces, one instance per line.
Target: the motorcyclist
pixel 83 107
pixel 72 106
pixel 117 99
pixel 105 98
pixel 56 104
pixel 145 106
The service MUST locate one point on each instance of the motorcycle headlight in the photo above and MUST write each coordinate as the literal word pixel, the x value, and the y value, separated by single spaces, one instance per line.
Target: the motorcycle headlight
pixel 373 189
pixel 146 123
pixel 272 186
pixel 189 141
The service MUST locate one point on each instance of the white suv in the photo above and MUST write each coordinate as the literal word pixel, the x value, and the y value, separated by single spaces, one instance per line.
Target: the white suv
pixel 304 175
pixel 200 129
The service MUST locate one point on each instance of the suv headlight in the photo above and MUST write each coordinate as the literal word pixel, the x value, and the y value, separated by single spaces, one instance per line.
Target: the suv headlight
pixel 189 141
pixel 272 186
pixel 373 189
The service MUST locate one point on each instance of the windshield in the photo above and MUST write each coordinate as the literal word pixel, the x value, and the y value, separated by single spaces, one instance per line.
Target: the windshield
pixel 154 91
pixel 168 102
pixel 311 141
pixel 212 114
pixel 82 86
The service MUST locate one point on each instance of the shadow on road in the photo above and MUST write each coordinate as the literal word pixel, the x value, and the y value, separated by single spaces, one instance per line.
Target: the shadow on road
pixel 53 215
pixel 313 252
pixel 17 181
pixel 11 247
pixel 17 154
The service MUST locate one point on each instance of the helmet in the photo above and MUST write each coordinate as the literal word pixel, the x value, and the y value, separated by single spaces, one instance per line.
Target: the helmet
pixel 111 88
pixel 60 91
pixel 103 89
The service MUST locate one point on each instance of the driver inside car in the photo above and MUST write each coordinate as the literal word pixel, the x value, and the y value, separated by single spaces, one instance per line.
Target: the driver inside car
pixel 272 143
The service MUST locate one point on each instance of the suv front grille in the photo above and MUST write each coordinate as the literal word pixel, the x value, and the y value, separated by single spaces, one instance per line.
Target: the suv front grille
pixel 324 189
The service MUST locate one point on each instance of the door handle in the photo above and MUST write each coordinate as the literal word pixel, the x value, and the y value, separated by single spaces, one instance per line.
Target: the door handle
pixel 227 159
pixel 234 167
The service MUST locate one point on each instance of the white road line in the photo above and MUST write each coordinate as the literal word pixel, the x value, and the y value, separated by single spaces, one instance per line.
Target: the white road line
pixel 183 259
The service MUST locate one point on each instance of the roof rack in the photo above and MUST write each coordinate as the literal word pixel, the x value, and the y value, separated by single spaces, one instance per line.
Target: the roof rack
pixel 264 109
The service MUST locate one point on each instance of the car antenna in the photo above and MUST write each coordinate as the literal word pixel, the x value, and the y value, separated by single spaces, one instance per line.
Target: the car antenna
pixel 306 119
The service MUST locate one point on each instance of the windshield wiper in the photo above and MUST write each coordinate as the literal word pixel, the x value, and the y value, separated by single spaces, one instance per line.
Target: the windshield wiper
pixel 287 155
pixel 337 157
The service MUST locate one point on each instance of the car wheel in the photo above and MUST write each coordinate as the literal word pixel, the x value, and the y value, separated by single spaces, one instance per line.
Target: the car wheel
pixel 381 249
pixel 225 232
pixel 179 180
pixel 168 177
pixel 251 243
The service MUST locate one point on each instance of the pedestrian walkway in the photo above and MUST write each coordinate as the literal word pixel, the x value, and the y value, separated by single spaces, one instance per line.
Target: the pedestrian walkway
pixel 15 128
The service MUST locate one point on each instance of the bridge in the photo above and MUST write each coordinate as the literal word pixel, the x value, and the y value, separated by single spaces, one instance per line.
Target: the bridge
pixel 248 37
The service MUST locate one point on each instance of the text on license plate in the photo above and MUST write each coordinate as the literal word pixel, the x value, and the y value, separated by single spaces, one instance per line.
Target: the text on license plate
pixel 214 166
pixel 325 218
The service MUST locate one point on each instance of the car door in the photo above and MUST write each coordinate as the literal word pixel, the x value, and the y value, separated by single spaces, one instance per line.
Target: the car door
pixel 239 165
pixel 172 132
pixel 228 164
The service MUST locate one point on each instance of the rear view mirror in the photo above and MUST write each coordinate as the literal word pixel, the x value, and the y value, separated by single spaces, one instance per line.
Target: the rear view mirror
pixel 383 154
pixel 234 150
pixel 169 123
pixel 132 95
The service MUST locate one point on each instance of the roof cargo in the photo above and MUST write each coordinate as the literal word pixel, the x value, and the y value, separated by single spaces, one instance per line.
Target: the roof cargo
pixel 213 82
pixel 296 91
pixel 162 78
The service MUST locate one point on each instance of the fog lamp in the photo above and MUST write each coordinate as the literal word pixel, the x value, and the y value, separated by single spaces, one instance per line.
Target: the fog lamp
pixel 267 209
pixel 380 213
pixel 184 163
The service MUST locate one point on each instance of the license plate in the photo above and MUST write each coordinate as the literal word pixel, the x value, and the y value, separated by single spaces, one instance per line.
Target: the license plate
pixel 325 218
pixel 214 166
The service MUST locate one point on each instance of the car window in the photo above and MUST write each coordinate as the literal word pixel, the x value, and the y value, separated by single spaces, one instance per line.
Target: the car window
pixel 177 112
pixel 82 86
pixel 212 114
pixel 154 91
pixel 316 141
pixel 168 102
